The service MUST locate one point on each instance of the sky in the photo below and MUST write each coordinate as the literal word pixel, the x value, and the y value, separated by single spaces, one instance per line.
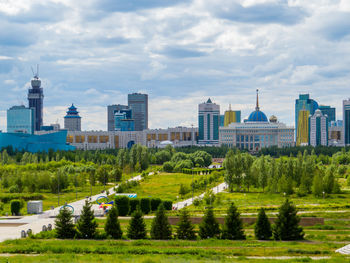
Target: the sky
pixel 94 52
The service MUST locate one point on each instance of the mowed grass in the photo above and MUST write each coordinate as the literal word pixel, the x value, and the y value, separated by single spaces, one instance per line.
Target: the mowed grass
pixel 251 203
pixel 166 186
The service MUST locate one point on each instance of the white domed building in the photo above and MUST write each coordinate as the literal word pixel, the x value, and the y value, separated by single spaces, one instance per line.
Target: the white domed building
pixel 257 132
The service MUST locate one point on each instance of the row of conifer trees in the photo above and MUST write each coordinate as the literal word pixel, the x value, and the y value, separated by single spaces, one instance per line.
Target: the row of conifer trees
pixel 286 226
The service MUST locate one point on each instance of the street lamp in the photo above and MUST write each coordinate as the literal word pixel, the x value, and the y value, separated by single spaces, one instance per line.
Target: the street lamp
pixel 323 194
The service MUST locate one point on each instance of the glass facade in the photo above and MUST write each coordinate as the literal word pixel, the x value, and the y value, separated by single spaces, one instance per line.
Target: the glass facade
pixel 329 111
pixel 20 119
pixel 346 121
pixel 36 101
pixel 304 103
pixel 138 103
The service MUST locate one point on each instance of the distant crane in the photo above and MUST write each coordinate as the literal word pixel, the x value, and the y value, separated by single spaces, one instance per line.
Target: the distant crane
pixel 36 76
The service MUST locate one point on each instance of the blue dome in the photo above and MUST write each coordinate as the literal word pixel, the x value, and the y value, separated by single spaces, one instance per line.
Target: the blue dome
pixel 257 116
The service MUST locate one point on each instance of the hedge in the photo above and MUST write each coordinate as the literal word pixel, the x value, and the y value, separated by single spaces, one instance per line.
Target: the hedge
pixel 26 197
pixel 155 202
pixel 133 203
pixel 15 207
pixel 145 205
pixel 168 205
pixel 123 206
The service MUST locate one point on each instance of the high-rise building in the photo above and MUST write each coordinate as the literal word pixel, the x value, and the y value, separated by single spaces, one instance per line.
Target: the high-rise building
pixel 111 110
pixel 20 120
pixel 138 103
pixel 329 111
pixel 303 128
pixel 36 99
pixel 72 121
pixel 209 122
pixel 222 120
pixel 346 121
pixel 304 103
pixel 318 126
pixel 231 116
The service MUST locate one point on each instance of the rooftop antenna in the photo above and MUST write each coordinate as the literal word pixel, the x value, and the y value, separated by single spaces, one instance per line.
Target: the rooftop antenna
pixel 35 75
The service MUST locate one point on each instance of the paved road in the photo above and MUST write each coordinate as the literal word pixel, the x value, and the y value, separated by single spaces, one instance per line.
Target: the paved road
pixel 217 189
pixel 36 222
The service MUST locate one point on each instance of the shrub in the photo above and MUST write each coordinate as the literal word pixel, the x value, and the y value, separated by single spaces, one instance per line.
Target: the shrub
pixel 64 226
pixel 262 229
pixel 133 203
pixel 112 226
pixel 161 228
pixel 87 224
pixel 122 203
pixel 15 207
pixel 209 227
pixel 145 205
pixel 155 202
pixel 168 205
pixel 185 229
pixel 233 226
pixel 14 189
pixel 168 167
pixel 137 226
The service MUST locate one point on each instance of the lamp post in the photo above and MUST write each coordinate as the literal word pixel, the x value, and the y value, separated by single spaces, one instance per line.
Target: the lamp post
pixel 58 189
pixel 323 194
pixel 76 190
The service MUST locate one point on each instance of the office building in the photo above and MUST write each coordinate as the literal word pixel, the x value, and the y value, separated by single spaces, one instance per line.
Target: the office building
pixel 222 120
pixel 20 119
pixel 231 116
pixel 72 121
pixel 336 133
pixel 329 111
pixel 257 132
pixel 304 103
pixel 318 129
pixel 138 103
pixel 208 123
pixel 111 110
pixel 36 100
pixel 346 121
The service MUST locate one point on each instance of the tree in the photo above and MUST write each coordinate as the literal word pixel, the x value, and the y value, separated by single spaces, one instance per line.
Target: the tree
pixel 112 226
pixel 87 224
pixel 285 185
pixel 185 229
pixel 116 174
pixel 137 226
pixel 123 205
pixel 183 190
pixel 229 165
pixel 161 228
pixel 145 205
pixel 262 229
pixel 64 225
pixel 209 227
pixel 287 223
pixel 233 226
pixel 317 185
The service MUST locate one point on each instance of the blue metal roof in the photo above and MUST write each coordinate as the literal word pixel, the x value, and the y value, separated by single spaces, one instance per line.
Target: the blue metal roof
pixel 257 116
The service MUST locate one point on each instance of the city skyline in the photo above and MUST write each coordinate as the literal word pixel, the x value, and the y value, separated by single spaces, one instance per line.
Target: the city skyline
pixel 212 53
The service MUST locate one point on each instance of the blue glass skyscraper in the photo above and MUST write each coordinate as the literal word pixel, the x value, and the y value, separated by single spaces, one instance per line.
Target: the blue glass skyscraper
pixel 138 103
pixel 36 100
pixel 20 119
pixel 305 104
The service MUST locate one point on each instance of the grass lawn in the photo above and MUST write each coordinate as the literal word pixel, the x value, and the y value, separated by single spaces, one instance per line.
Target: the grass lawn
pixel 166 186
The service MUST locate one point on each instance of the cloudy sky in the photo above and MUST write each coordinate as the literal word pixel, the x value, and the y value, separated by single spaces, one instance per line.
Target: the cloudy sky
pixel 94 52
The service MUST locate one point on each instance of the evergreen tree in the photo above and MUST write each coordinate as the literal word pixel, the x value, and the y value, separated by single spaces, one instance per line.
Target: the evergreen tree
pixel 161 228
pixel 287 223
pixel 233 226
pixel 64 225
pixel 112 226
pixel 87 224
pixel 137 226
pixel 209 227
pixel 262 227
pixel 185 229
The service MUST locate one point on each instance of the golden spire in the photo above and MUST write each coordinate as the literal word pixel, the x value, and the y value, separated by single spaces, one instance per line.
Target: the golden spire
pixel 257 100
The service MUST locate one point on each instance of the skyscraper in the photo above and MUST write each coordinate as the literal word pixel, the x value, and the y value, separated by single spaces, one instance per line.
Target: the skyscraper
pixel 35 99
pixel 346 121
pixel 231 116
pixel 208 122
pixel 318 126
pixel 111 110
pixel 329 111
pixel 20 120
pixel 303 103
pixel 138 103
pixel 72 121
pixel 303 128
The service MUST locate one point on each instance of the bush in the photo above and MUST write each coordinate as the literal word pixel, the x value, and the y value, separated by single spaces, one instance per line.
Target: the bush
pixel 15 207
pixel 14 189
pixel 168 167
pixel 122 203
pixel 168 205
pixel 145 205
pixel 26 197
pixel 155 202
pixel 133 203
